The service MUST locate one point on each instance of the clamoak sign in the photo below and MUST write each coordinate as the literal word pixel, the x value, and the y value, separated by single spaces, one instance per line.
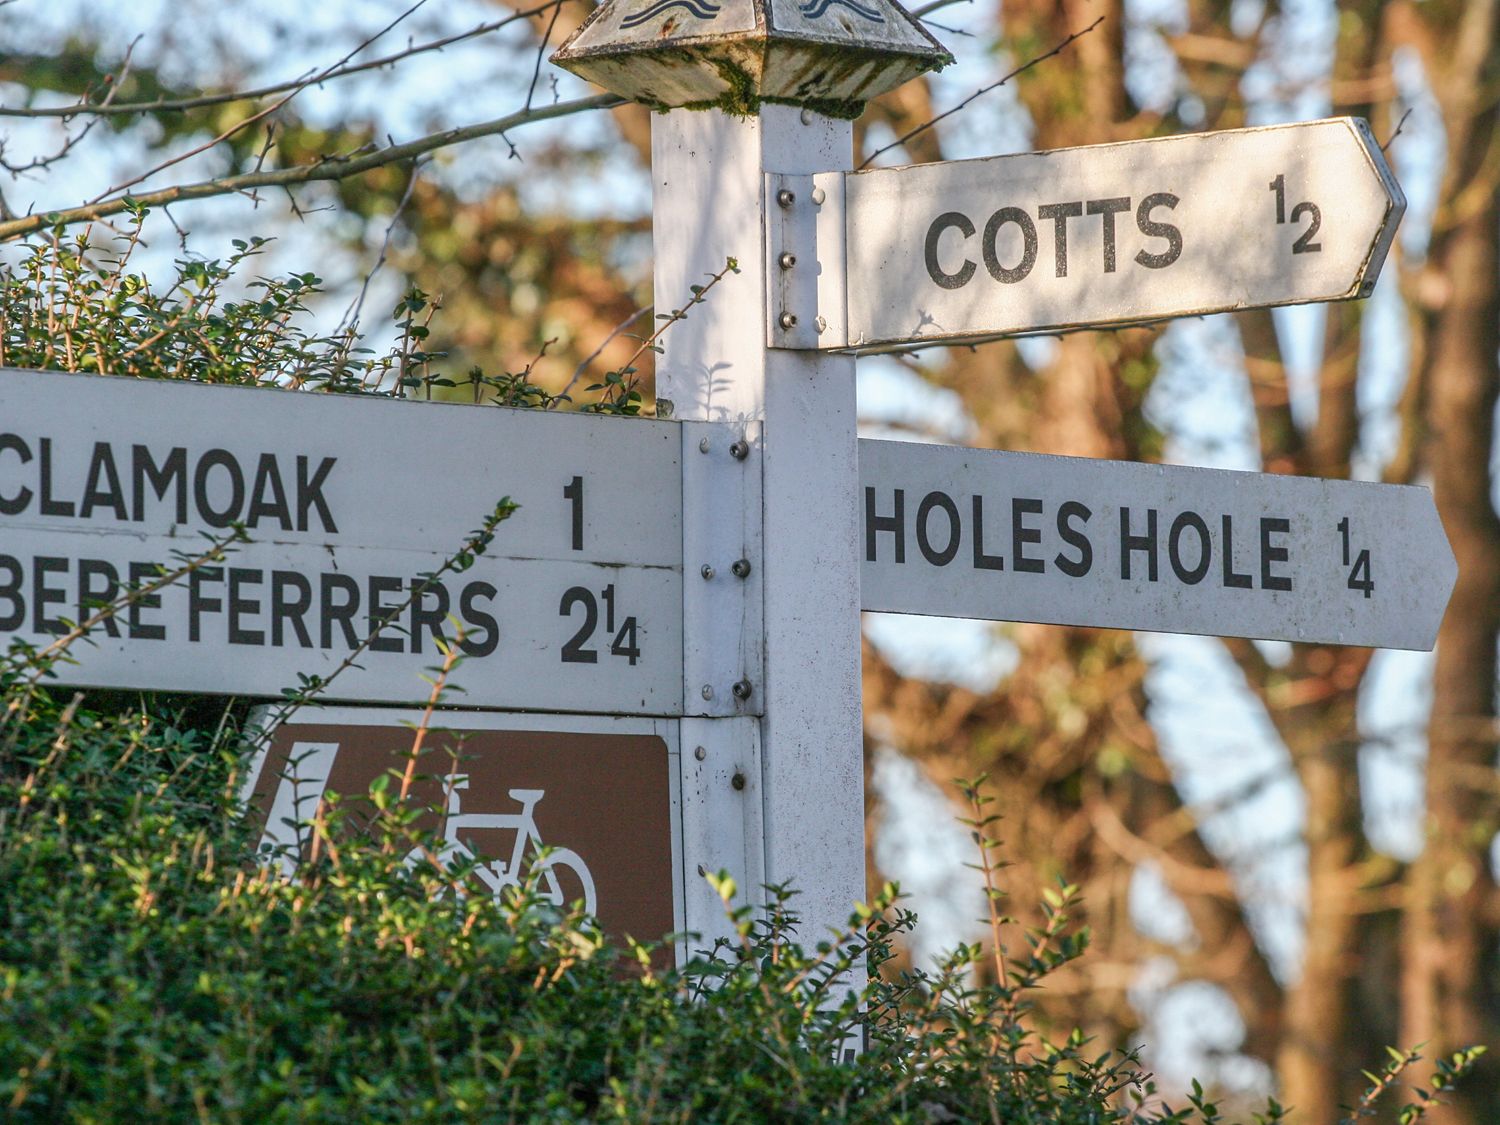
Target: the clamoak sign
pixel 236 605
pixel 350 507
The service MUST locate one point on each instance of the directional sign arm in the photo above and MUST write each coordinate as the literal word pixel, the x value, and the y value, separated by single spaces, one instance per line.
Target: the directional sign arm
pixel 1070 541
pixel 1104 235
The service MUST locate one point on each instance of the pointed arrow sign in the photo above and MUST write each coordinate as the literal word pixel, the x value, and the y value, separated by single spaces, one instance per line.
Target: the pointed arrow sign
pixel 1102 235
pixel 1070 541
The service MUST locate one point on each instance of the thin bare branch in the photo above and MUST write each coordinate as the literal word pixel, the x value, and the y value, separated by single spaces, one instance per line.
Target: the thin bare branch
pixel 178 158
pixel 597 352
pixel 327 168
pixel 173 105
pixel 1022 69
pixel 350 319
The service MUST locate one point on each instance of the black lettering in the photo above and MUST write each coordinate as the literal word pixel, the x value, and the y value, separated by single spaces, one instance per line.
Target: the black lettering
pixel 333 612
pixel 143 574
pixel 1028 250
pixel 274 506
pixel 285 609
pixel 1158 230
pixel 475 617
pixel 948 220
pixel 43 595
pixel 1231 579
pixel 1194 575
pixel 424 617
pixel 218 517
pixel 144 470
pixel 1270 526
pixel 1020 535
pixel 198 602
pixel 894 524
pixel 240 577
pixel 51 507
pixel 10 590
pixel 1059 213
pixel 1067 512
pixel 111 495
pixel 1130 543
pixel 92 598
pixel 955 528
pixel 310 493
pixel 983 561
pixel 1109 208
pixel 381 616
pixel 15 505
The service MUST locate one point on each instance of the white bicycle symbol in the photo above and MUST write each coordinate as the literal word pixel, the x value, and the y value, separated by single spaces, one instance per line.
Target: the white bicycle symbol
pixel 497 875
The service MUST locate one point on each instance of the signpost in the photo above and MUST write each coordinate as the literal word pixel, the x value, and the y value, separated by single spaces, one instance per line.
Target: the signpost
pixel 694 585
pixel 1108 544
pixel 348 503
pixel 1080 237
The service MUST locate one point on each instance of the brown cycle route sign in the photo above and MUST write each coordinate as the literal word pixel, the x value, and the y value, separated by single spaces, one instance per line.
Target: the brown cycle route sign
pixel 600 799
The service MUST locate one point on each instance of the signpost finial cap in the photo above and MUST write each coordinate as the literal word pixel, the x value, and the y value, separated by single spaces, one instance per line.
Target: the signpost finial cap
pixel 829 55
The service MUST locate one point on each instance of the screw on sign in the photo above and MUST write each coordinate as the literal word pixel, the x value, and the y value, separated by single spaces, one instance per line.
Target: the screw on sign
pixel 580 806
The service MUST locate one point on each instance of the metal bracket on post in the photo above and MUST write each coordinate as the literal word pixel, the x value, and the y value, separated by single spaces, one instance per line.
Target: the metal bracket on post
pixel 807 305
pixel 722 822
pixel 723 656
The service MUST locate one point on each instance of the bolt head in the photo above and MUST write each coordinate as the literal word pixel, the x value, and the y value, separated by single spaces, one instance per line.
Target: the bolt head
pixel 740 450
pixel 708 691
pixel 818 196
pixel 707 572
pixel 700 753
pixel 785 198
pixel 787 260
pixel 702 445
pixel 738 780
pixel 742 689
pixel 821 324
pixel 788 320
pixel 741 568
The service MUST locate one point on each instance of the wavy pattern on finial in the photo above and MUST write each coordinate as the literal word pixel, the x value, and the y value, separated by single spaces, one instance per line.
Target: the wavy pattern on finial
pixel 816 9
pixel 702 9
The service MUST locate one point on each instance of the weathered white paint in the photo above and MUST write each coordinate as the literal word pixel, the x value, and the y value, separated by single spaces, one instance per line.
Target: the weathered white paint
pixel 1110 234
pixel 1285 576
pixel 405 484
pixel 709 175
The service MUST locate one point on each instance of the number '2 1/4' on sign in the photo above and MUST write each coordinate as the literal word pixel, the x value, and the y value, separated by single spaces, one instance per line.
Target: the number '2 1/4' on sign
pixel 577 650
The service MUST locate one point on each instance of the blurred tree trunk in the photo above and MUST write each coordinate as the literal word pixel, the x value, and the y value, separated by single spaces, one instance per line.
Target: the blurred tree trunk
pixel 1448 986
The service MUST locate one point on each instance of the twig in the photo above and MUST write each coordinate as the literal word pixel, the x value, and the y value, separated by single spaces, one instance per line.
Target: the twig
pixel 597 352
pixel 350 319
pixel 474 544
pixel 540 51
pixel 936 5
pixel 1022 69
pixel 327 168
pixel 1389 140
